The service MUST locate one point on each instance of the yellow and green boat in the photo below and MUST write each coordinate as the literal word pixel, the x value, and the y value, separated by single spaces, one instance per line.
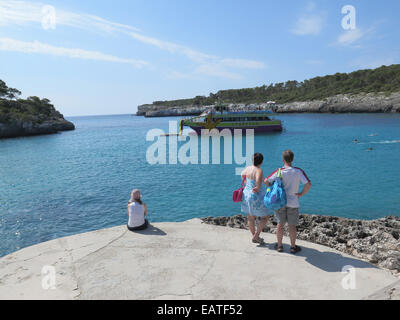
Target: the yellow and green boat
pixel 260 121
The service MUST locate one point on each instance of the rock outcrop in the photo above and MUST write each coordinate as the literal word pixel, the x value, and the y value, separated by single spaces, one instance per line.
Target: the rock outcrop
pixel 359 103
pixel 32 116
pixel 149 110
pixel 377 241
pixel 20 128
pixel 343 103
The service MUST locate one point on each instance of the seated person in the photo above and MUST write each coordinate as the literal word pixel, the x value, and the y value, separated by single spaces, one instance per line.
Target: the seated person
pixel 137 211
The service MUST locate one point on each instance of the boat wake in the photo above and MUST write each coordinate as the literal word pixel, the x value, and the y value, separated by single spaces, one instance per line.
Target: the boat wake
pixel 381 142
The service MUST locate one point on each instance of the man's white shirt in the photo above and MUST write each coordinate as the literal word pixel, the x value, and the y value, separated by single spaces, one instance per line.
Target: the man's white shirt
pixel 291 177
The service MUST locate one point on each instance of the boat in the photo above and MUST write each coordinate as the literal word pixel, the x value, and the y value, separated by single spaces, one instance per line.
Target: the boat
pixel 259 120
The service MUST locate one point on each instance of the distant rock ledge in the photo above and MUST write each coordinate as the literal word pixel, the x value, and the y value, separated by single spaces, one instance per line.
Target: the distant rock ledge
pixel 20 128
pixel 152 111
pixel 376 241
pixel 343 103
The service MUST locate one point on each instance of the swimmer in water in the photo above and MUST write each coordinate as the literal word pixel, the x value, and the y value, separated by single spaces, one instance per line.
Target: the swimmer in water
pixel 355 140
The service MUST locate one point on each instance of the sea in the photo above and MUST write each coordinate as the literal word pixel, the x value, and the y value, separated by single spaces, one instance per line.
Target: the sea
pixel 57 185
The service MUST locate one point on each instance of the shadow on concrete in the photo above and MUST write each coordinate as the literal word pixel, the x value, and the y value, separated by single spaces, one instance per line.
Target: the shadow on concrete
pixel 152 231
pixel 327 261
pixel 331 261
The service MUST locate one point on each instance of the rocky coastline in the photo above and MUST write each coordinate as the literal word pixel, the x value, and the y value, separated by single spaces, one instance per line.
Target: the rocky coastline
pixel 21 128
pixel 152 111
pixel 376 241
pixel 343 103
pixel 28 117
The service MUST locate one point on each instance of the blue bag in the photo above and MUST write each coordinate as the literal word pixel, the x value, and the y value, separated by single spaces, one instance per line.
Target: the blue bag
pixel 275 197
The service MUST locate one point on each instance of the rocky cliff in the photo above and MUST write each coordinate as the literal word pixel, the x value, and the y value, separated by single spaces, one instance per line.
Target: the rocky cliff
pixel 149 110
pixel 343 103
pixel 19 128
pixel 30 117
pixel 368 103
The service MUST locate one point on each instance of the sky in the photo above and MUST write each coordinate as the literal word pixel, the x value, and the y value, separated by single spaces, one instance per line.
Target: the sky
pixel 98 57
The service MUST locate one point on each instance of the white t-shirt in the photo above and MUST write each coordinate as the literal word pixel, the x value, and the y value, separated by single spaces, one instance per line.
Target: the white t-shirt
pixel 291 177
pixel 136 215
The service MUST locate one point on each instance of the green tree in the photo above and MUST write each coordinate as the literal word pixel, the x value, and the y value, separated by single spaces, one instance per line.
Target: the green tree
pixel 8 93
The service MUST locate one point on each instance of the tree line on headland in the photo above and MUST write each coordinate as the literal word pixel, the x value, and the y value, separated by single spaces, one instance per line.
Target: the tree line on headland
pixel 27 117
pixel 32 108
pixel 384 79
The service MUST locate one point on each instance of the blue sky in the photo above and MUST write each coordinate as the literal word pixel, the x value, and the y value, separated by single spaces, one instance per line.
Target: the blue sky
pixel 108 57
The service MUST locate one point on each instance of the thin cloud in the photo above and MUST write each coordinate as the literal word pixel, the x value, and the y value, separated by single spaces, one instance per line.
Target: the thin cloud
pixel 197 56
pixel 209 64
pixel 350 37
pixel 178 75
pixel 24 12
pixel 354 38
pixel 19 12
pixel 173 47
pixel 308 25
pixel 7 44
pixel 216 70
pixel 242 63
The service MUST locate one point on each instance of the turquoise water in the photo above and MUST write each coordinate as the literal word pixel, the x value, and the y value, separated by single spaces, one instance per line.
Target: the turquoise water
pixel 58 185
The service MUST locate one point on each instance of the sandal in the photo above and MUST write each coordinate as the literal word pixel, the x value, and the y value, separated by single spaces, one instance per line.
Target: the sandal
pixel 295 249
pixel 259 240
pixel 278 248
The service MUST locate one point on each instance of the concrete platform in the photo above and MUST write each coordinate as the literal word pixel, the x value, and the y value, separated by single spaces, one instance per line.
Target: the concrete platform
pixel 187 260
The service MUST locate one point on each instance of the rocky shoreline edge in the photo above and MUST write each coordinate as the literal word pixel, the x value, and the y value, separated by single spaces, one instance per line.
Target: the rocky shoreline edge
pixel 28 117
pixel 342 103
pixel 20 128
pixel 376 241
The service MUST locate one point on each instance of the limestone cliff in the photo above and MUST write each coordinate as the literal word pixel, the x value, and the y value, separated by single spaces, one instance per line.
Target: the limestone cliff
pixel 343 103
pixel 30 117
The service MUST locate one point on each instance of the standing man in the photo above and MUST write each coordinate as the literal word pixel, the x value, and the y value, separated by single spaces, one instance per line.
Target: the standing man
pixel 291 177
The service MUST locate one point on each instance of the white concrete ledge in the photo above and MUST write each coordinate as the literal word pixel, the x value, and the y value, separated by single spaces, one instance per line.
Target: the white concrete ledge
pixel 187 260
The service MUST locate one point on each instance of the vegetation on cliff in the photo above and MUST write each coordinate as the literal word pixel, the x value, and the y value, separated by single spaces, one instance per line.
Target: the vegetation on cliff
pixel 32 109
pixel 384 79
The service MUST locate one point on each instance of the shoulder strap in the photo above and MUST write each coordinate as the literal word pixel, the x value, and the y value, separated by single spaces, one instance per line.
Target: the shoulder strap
pixel 279 174
pixel 244 179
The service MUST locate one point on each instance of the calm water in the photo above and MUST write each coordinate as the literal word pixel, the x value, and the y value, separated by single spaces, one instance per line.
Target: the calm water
pixel 58 185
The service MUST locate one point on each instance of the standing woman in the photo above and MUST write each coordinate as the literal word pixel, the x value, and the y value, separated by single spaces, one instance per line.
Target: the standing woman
pixel 137 211
pixel 253 197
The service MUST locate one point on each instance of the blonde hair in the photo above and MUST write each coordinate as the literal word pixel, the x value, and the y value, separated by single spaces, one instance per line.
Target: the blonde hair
pixel 135 197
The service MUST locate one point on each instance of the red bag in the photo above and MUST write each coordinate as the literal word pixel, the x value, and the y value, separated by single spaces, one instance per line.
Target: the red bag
pixel 237 194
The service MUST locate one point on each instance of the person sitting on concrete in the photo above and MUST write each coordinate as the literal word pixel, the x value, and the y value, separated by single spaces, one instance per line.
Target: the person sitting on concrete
pixel 137 212
pixel 291 178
